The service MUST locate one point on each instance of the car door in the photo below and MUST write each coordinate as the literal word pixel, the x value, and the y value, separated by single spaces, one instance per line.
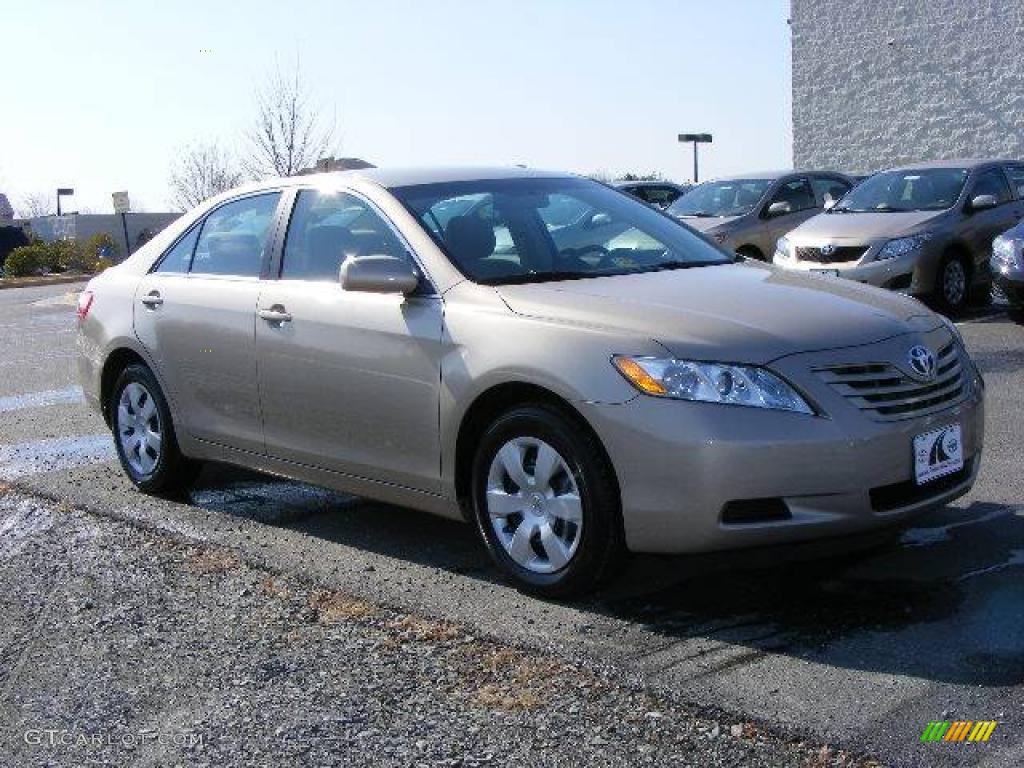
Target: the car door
pixel 797 192
pixel 981 227
pixel 195 314
pixel 349 381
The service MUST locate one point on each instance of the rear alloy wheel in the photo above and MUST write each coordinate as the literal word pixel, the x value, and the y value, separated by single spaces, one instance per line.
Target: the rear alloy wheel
pixel 952 284
pixel 144 434
pixel 546 502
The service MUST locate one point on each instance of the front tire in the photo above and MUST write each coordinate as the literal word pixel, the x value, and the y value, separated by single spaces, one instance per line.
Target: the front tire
pixel 952 284
pixel 144 435
pixel 546 502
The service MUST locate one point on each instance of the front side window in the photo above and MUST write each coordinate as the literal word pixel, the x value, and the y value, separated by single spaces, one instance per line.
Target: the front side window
pixel 178 258
pixel 1016 174
pixel 234 237
pixel 927 189
pixel 328 227
pixel 721 198
pixel 828 190
pixel 992 182
pixel 540 229
pixel 797 193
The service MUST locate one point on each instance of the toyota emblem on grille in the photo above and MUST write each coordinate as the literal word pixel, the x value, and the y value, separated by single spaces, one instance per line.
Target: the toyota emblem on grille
pixel 922 362
pixel 828 249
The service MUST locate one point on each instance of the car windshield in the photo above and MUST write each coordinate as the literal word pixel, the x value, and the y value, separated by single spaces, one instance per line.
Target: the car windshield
pixel 931 189
pixel 721 198
pixel 529 230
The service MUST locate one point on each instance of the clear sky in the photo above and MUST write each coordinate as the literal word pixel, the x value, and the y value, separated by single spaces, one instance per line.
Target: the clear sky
pixel 100 95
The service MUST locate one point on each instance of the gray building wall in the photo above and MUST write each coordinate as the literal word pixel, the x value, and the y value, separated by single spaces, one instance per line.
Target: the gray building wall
pixel 82 226
pixel 877 84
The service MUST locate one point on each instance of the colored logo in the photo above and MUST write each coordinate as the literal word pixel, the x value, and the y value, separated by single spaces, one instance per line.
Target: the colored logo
pixel 959 730
pixel 828 249
pixel 922 362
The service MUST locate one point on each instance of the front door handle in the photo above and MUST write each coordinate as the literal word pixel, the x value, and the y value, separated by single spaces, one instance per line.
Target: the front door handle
pixel 153 299
pixel 276 314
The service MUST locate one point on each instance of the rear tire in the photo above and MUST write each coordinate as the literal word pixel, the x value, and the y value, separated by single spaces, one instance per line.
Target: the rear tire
pixel 952 284
pixel 147 447
pixel 555 531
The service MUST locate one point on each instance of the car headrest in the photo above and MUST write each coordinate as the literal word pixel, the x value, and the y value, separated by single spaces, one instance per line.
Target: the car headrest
pixel 469 238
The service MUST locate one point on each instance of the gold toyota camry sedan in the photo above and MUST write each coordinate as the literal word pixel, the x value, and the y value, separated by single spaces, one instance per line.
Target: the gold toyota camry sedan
pixel 573 372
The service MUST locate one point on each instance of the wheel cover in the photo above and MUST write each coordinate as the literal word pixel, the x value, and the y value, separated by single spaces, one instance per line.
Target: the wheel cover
pixel 534 505
pixel 139 431
pixel 954 282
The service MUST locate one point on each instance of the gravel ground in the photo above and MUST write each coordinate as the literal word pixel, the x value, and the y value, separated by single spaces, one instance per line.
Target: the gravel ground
pixel 125 646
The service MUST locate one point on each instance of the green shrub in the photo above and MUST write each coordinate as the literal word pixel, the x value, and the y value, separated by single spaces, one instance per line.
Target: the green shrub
pixel 27 260
pixel 65 255
pixel 102 246
pixel 101 264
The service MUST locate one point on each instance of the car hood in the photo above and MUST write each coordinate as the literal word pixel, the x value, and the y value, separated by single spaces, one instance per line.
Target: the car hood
pixel 746 312
pixel 861 227
pixel 704 223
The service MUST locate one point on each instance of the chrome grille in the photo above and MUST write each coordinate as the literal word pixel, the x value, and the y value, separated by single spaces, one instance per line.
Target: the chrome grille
pixel 887 394
pixel 838 254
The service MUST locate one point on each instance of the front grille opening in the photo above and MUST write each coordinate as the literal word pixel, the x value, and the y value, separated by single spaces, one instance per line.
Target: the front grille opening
pixel 748 511
pixel 886 498
pixel 900 283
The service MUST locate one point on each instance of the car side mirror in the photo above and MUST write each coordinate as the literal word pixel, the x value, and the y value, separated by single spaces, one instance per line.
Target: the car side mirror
pixel 983 202
pixel 830 203
pixel 779 208
pixel 378 274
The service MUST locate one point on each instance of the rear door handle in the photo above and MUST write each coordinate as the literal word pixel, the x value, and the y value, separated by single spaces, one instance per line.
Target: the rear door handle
pixel 275 314
pixel 152 299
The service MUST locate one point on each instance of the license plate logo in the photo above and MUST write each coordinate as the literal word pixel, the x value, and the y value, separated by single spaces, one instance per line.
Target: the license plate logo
pixel 826 272
pixel 938 453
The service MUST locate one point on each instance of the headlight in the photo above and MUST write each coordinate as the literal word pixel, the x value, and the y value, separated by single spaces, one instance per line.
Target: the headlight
pixel 1004 253
pixel 782 248
pixel 710 383
pixel 901 246
pixel 951 327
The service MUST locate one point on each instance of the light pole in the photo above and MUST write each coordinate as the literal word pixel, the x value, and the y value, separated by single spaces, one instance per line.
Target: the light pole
pixel 696 138
pixel 63 192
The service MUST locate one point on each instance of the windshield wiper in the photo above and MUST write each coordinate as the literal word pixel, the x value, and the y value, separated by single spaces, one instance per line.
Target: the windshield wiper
pixel 540 277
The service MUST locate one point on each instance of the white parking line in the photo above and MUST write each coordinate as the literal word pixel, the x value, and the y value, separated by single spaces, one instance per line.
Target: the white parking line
pixel 62 453
pixel 41 399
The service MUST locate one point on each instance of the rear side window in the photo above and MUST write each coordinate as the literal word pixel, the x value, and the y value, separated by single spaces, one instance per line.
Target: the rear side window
pixel 178 258
pixel 329 227
pixel 234 237
pixel 992 182
pixel 828 190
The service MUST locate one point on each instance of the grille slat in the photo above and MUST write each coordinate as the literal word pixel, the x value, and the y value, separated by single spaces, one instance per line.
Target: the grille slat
pixel 887 394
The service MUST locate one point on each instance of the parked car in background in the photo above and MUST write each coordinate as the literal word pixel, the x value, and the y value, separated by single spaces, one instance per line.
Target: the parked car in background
pixel 656 192
pixel 747 214
pixel 1008 265
pixel 572 402
pixel 924 229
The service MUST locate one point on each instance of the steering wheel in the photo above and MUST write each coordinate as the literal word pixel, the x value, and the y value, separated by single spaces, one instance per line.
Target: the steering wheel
pixel 605 259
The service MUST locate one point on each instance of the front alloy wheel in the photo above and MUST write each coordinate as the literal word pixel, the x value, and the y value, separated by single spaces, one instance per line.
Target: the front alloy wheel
pixel 546 501
pixel 953 284
pixel 138 428
pixel 534 505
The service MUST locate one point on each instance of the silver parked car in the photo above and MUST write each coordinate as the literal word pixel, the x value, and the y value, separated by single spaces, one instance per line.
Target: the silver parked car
pixel 925 229
pixel 748 214
pixel 1008 266
pixel 420 337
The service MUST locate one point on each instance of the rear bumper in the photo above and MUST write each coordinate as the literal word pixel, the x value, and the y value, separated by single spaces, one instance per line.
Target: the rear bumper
pixel 679 464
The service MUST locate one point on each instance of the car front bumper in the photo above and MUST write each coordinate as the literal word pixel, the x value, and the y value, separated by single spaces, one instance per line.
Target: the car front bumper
pixel 1011 285
pixel 680 463
pixel 912 273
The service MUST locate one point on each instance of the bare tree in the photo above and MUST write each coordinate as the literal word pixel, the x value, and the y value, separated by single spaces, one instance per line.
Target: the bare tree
pixel 36 204
pixel 288 133
pixel 200 172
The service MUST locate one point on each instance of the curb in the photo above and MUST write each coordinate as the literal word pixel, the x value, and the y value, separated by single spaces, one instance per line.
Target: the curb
pixel 31 282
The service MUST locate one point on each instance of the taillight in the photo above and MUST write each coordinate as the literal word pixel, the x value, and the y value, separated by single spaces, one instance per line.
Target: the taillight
pixel 84 305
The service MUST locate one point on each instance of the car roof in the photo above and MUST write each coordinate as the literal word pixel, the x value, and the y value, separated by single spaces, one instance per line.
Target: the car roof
pixel 647 183
pixel 774 175
pixel 407 177
pixel 971 162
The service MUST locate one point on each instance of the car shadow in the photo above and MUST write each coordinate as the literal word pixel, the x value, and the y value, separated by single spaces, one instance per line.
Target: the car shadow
pixel 940 600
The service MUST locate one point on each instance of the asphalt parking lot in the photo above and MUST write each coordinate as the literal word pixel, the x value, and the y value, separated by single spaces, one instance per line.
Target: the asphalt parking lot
pixel 861 649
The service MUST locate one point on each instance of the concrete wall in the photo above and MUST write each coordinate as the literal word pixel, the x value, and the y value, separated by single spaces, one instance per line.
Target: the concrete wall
pixel 878 83
pixel 82 226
